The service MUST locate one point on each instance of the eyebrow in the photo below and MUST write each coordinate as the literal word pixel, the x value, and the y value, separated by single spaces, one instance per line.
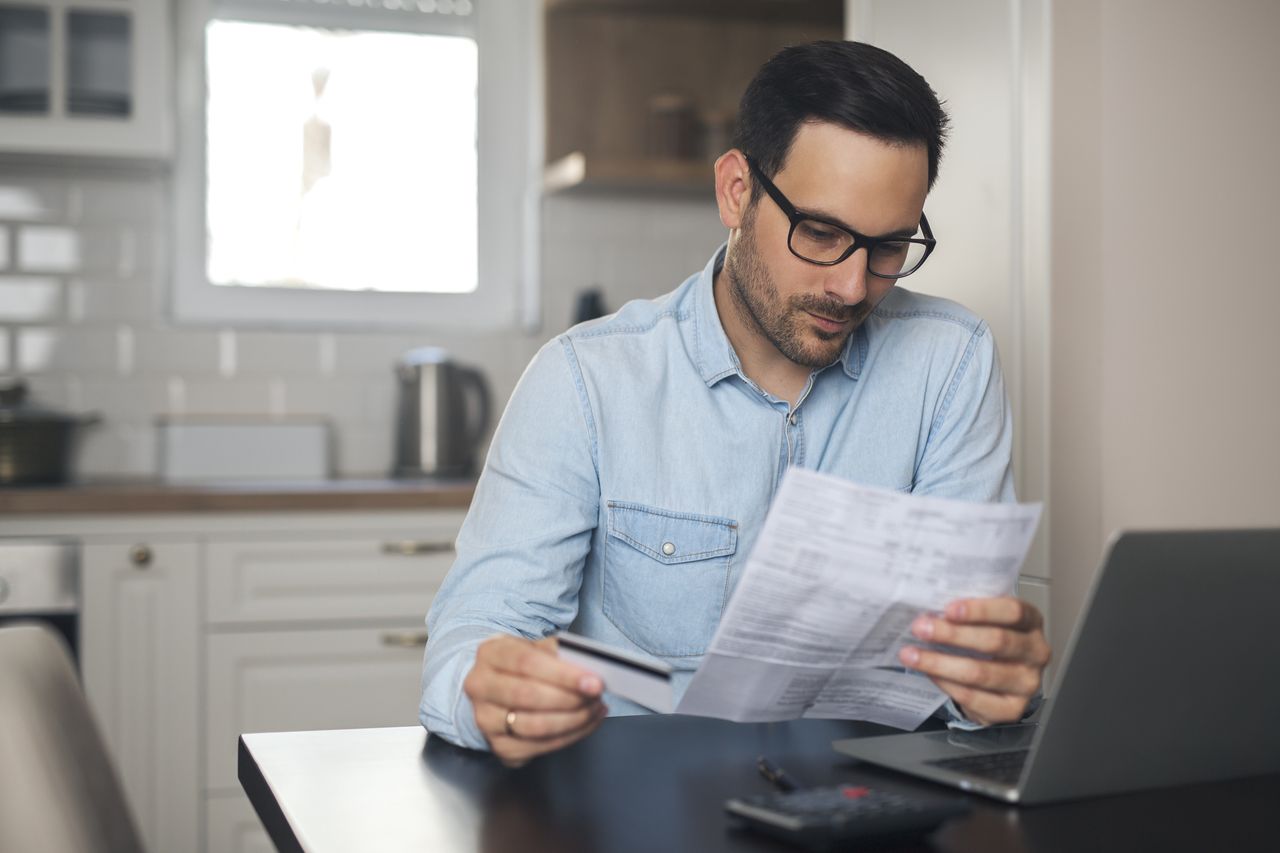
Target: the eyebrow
pixel 823 216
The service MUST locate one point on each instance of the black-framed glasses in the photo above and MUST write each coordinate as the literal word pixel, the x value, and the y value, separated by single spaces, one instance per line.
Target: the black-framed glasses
pixel 826 243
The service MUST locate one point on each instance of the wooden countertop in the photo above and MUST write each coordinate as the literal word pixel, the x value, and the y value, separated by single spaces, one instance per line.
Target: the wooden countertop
pixel 239 496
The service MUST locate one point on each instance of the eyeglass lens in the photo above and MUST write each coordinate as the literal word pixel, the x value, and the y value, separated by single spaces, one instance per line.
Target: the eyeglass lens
pixel 817 241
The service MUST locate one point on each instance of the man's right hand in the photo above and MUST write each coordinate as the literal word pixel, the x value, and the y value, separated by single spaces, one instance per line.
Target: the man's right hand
pixel 527 701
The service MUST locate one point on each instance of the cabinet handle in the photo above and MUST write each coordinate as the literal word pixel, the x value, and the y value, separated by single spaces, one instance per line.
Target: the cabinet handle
pixel 405 639
pixel 410 547
pixel 140 555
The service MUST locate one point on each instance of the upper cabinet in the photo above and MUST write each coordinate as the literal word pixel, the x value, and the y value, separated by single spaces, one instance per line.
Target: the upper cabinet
pixel 85 77
pixel 642 94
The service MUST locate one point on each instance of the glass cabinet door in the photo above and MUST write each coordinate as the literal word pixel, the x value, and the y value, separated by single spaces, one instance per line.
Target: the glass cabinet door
pixel 98 64
pixel 25 48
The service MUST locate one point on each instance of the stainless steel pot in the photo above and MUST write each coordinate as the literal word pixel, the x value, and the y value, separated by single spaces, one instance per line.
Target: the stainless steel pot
pixel 37 445
pixel 443 415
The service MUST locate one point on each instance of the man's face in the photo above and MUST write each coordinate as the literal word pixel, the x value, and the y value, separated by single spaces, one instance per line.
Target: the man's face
pixel 806 311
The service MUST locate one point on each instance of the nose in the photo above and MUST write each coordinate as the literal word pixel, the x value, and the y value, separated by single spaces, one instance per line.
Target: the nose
pixel 847 281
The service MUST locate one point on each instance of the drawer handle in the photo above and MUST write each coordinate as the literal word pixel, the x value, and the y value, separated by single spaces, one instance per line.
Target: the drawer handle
pixel 405 639
pixel 410 547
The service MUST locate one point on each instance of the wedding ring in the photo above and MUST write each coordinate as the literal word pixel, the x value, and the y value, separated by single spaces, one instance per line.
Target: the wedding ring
pixel 511 723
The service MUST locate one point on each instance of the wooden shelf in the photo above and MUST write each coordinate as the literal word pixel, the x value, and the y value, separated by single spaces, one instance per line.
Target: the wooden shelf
pixel 578 173
pixel 789 11
pixel 641 94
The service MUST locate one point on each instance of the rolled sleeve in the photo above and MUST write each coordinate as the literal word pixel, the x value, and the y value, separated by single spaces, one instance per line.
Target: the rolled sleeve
pixel 521 549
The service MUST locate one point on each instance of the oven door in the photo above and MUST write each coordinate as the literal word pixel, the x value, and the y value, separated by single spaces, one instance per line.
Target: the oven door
pixel 40 582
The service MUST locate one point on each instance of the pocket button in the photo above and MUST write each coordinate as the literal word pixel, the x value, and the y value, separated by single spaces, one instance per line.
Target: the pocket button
pixel 668 548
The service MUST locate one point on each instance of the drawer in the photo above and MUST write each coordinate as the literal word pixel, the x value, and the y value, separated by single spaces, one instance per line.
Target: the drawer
pixel 305 680
pixel 324 579
pixel 232 826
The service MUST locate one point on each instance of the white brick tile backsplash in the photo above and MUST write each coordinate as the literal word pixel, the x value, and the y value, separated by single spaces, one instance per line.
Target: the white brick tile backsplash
pixel 126 399
pixel 227 346
pixel 55 392
pixel 111 201
pixel 126 350
pixel 296 354
pixel 117 450
pixel 379 396
pixel 30 300
pixel 183 351
pixel 99 299
pixel 364 451
pixel 236 396
pixel 23 200
pixel 49 248
pixel 98 245
pixel 68 350
pixel 36 349
pixel 340 399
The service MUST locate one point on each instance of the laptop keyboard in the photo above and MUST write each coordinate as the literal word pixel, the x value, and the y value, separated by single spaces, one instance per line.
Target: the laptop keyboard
pixel 1002 767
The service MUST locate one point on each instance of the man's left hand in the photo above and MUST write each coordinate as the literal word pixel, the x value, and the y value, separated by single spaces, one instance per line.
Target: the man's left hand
pixel 1009 634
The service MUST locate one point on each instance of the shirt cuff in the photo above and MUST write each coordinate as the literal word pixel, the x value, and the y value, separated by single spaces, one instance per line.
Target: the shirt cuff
pixel 447 665
pixel 958 722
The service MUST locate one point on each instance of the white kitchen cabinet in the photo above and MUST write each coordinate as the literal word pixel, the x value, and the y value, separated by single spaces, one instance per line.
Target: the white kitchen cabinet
pixel 316 631
pixel 86 77
pixel 139 641
pixel 293 580
pixel 342 678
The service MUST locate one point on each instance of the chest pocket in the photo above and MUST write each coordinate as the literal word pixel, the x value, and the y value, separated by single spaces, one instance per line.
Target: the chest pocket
pixel 666 576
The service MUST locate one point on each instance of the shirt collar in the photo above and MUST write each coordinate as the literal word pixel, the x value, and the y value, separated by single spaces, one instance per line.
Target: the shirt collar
pixel 716 358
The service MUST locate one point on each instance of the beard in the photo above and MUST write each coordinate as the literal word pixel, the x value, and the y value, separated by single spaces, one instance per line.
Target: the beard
pixel 785 323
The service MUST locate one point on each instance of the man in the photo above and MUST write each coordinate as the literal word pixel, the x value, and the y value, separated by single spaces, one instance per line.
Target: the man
pixel 638 456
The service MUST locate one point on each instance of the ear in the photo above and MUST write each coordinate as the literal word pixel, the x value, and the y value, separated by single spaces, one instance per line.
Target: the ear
pixel 733 187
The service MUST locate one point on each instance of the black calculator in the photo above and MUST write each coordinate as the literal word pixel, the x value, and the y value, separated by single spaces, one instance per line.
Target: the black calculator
pixel 844 814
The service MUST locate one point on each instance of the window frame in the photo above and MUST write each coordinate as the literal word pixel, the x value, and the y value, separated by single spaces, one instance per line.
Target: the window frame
pixel 510 143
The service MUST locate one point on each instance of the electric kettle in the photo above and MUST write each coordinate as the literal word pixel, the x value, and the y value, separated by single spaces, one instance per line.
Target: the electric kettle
pixel 443 415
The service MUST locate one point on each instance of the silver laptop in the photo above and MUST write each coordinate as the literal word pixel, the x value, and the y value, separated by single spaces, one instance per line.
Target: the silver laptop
pixel 1171 677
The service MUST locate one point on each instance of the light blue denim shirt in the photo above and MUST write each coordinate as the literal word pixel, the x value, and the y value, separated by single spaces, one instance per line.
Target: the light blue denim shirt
pixel 640 429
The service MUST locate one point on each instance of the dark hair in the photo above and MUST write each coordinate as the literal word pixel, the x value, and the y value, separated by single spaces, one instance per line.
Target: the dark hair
pixel 855 85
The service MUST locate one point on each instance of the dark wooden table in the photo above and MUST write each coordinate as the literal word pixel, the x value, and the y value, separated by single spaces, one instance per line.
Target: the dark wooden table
pixel 657 784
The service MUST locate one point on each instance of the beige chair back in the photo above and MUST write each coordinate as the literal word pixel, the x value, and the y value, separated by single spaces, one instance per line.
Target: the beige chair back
pixel 59 792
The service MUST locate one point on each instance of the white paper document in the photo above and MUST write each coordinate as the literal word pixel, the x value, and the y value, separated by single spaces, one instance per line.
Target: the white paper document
pixel 830 590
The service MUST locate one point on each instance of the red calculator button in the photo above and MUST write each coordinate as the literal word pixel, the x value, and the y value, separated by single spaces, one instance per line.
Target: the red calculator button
pixel 855 793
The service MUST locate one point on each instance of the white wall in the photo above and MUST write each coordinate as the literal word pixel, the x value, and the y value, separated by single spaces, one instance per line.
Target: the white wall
pixel 1166 392
pixel 1143 135
pixel 987 60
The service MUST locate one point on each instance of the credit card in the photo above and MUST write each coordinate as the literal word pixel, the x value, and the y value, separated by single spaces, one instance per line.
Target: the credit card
pixel 645 682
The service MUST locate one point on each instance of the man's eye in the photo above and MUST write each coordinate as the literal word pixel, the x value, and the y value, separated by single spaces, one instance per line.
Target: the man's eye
pixel 892 248
pixel 817 233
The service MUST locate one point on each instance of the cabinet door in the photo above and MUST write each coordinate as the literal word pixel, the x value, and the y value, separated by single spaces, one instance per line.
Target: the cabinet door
pixel 325 579
pixel 345 678
pixel 139 658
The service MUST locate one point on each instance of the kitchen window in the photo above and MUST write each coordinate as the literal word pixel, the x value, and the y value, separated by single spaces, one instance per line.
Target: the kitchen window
pixel 358 163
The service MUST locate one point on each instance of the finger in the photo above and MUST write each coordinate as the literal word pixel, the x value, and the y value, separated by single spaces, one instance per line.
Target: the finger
pixel 522 694
pixel 982 706
pixel 993 676
pixel 535 725
pixel 538 661
pixel 1001 643
pixel 1007 611
pixel 516 751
